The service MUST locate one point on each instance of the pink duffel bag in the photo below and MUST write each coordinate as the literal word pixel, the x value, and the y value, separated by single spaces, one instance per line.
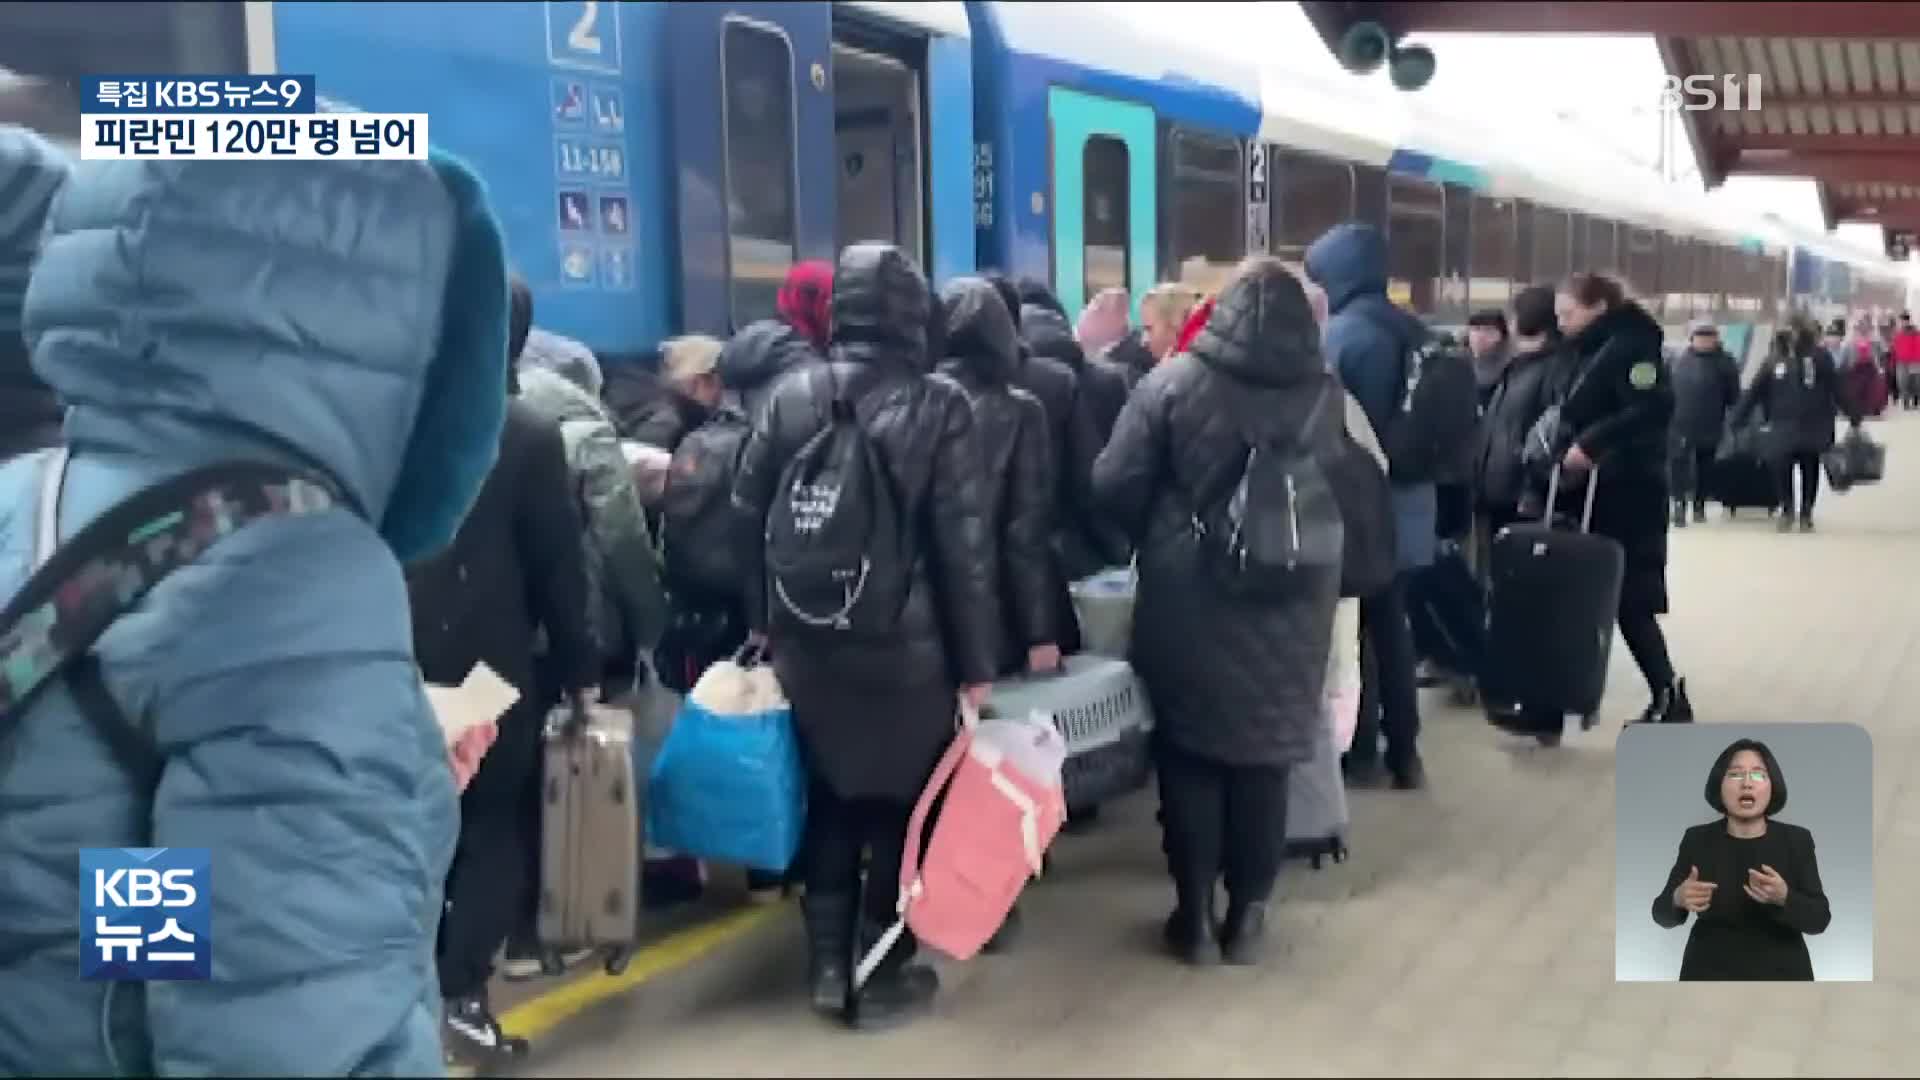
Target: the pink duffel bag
pixel 1004 805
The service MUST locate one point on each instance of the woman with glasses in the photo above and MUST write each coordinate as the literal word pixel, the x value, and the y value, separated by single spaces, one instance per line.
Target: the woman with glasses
pixel 1751 882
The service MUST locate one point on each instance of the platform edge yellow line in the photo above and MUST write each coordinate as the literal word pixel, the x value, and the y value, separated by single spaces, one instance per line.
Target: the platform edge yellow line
pixel 540 1015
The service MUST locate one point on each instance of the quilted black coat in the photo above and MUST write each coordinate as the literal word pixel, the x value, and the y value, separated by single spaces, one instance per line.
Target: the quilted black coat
pixel 874 717
pixel 1232 680
pixel 1017 466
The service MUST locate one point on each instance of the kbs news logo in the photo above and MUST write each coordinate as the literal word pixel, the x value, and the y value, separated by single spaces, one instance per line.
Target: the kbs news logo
pixel 146 914
pixel 1706 93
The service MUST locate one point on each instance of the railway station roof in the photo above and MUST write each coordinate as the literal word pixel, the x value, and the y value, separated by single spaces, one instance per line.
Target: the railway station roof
pixel 1839 85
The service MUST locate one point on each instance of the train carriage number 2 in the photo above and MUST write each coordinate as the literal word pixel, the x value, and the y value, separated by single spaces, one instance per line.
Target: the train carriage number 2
pixel 582 37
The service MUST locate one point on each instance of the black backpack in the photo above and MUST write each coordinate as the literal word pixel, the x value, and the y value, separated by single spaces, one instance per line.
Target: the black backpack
pixel 838 560
pixel 1280 522
pixel 696 509
pixel 1439 409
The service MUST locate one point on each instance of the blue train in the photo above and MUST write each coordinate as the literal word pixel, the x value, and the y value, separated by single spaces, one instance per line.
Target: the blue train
pixel 659 166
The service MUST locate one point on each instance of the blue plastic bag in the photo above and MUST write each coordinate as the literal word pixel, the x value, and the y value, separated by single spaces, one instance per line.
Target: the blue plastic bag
pixel 728 784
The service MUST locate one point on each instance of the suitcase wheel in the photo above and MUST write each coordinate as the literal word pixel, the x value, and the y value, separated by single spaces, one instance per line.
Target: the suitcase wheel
pixel 550 963
pixel 618 959
pixel 1548 738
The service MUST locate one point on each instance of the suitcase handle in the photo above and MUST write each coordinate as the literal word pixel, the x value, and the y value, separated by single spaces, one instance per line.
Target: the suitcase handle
pixel 578 718
pixel 1553 491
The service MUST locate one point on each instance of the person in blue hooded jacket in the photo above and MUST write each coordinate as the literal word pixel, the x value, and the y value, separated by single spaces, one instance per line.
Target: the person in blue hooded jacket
pixel 31 172
pixel 1368 342
pixel 348 318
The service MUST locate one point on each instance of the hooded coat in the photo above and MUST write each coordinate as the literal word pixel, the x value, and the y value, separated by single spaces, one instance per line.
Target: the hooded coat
pixel 1706 386
pixel 1087 543
pixel 345 317
pixel 983 352
pixel 1800 395
pixel 1231 680
pixel 31 173
pixel 616 523
pixel 875 715
pixel 1619 410
pixel 1368 341
pixel 755 358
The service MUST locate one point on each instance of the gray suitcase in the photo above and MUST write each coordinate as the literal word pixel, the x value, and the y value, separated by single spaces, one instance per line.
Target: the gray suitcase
pixel 1317 819
pixel 1100 708
pixel 590 836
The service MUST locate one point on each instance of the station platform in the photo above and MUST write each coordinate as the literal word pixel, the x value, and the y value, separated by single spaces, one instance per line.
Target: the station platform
pixel 1469 934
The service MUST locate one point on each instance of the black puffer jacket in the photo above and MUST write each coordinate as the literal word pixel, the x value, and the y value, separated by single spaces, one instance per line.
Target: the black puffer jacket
pixel 1231 680
pixel 632 390
pixel 516 568
pixel 1087 543
pixel 758 355
pixel 983 351
pixel 1531 380
pixel 1799 395
pixel 1620 411
pixel 875 717
pixel 697 519
pixel 1705 386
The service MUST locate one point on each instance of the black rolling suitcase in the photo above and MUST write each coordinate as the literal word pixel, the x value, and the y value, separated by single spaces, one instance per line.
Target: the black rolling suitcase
pixel 1554 598
pixel 1741 477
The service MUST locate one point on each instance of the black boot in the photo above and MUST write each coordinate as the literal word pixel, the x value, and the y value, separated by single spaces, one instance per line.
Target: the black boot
pixel 473 1034
pixel 1679 708
pixel 1243 937
pixel 829 920
pixel 1191 932
pixel 898 992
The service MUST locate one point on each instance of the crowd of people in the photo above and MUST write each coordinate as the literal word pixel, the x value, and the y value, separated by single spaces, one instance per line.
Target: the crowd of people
pixel 488 489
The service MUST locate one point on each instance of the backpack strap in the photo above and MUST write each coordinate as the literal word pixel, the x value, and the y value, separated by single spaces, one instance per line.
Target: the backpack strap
pixel 78 589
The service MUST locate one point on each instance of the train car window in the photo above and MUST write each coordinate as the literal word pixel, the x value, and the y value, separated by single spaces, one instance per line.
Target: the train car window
pixel 45 49
pixel 1311 194
pixel 1491 257
pixel 1454 254
pixel 1550 262
pixel 1640 265
pixel 1603 253
pixel 1370 197
pixel 1577 259
pixel 1523 275
pixel 1676 275
pixel 1105 220
pixel 876 132
pixel 1208 235
pixel 1416 238
pixel 757 79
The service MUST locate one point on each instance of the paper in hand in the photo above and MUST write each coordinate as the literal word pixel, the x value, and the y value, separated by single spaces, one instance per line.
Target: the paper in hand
pixel 481 699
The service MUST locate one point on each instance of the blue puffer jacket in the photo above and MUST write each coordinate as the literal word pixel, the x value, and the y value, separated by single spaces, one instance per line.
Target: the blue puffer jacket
pixel 350 317
pixel 1366 341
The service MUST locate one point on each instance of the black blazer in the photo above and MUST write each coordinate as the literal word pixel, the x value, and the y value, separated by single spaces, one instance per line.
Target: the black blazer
pixel 1738 938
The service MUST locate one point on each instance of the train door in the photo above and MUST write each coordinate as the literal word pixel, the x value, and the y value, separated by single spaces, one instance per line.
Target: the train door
pixel 1104 197
pixel 878 137
pixel 753 149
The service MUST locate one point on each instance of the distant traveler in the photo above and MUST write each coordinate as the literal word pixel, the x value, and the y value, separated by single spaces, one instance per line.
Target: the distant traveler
pixel 755 358
pixel 1799 394
pixel 1706 386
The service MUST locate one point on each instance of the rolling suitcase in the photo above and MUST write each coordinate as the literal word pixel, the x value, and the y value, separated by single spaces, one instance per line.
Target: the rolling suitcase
pixel 1447 610
pixel 1317 803
pixel 1741 477
pixel 590 836
pixel 1100 708
pixel 1555 597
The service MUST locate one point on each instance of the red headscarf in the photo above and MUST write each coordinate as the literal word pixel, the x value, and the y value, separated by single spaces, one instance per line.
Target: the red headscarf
pixel 1195 322
pixel 806 300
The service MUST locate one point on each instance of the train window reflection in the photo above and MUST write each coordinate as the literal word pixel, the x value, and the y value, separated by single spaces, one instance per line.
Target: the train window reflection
pixel 1310 195
pixel 1416 233
pixel 1104 215
pixel 757 79
pixel 1208 237
pixel 1549 244
pixel 1491 260
pixel 1603 253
